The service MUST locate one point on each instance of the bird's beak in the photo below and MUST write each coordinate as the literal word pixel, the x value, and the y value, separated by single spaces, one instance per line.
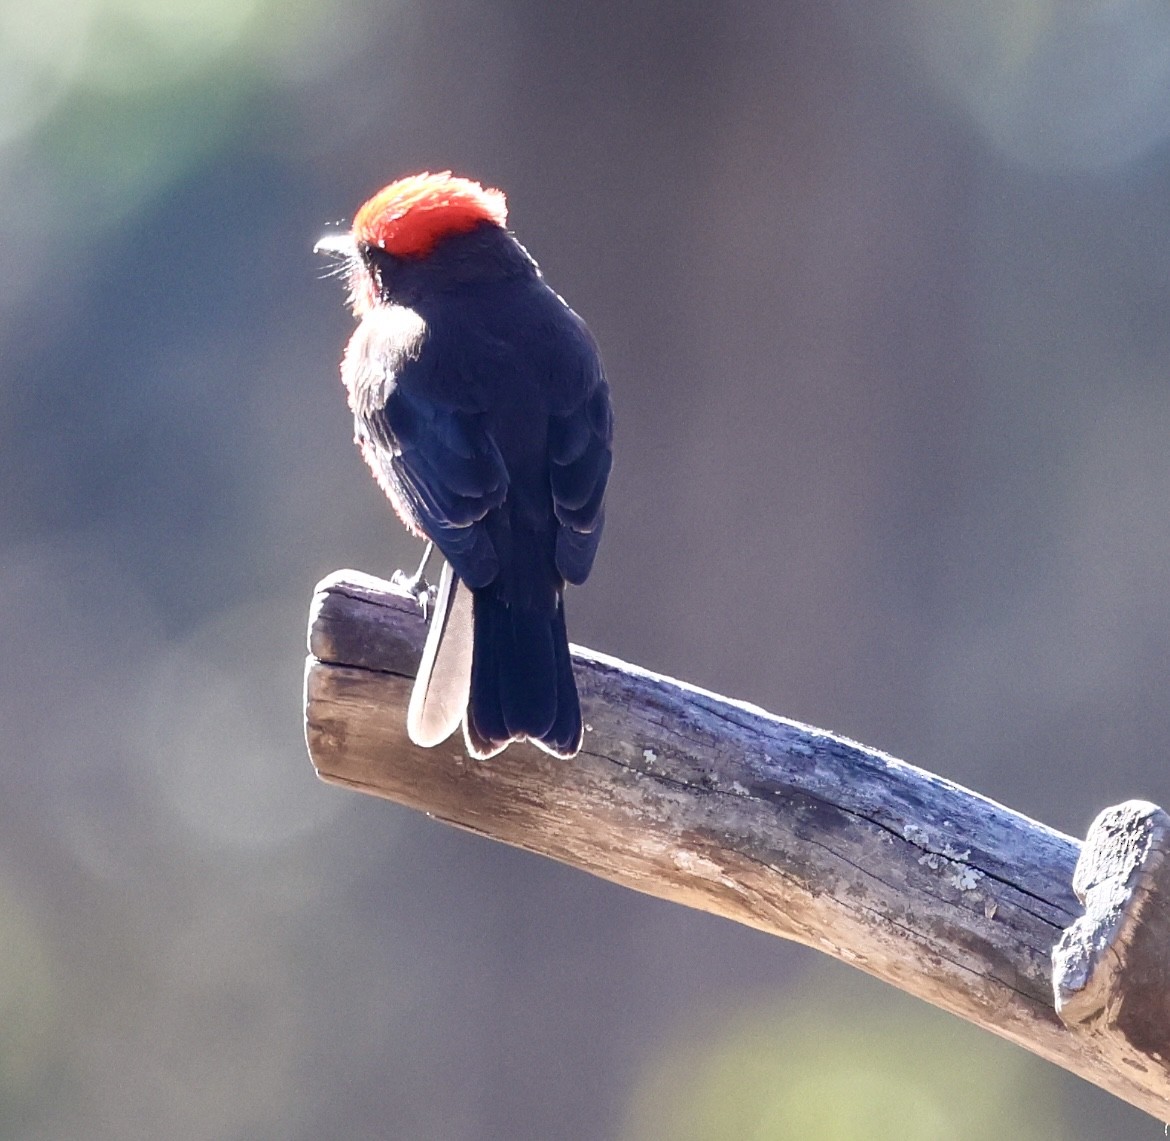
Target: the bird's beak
pixel 336 245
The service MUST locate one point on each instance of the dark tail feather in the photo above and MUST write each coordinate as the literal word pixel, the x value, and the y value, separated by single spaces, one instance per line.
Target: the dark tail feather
pixel 521 680
pixel 564 738
pixel 484 727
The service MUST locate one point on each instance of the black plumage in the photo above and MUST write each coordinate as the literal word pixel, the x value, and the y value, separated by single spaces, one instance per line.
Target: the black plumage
pixel 482 407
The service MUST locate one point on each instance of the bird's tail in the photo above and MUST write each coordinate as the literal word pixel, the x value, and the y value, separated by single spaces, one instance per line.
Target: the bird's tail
pixel 521 680
pixel 439 696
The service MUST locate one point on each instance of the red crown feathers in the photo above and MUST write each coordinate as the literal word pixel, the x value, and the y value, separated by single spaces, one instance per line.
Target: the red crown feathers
pixel 409 216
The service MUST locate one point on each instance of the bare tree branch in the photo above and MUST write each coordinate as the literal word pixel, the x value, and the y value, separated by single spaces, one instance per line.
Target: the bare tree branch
pixel 720 806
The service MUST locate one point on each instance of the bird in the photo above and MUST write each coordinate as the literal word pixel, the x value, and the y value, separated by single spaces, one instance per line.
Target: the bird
pixel 481 406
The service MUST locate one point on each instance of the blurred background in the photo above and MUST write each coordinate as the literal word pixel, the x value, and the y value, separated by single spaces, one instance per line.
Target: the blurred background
pixel 882 290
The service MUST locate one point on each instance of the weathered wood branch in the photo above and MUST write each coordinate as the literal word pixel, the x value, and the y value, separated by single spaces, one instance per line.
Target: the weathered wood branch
pixel 791 830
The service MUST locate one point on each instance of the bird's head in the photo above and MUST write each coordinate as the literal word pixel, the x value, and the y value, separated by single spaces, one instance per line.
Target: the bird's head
pixel 400 227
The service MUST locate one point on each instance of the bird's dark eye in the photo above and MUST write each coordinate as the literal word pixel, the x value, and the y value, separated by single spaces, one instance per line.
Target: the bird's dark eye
pixel 376 264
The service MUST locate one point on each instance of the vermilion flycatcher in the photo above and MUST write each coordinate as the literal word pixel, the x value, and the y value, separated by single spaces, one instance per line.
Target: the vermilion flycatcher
pixel 482 408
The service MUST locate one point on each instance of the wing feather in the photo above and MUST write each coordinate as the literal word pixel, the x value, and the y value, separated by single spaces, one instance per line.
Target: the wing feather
pixel 448 469
pixel 581 457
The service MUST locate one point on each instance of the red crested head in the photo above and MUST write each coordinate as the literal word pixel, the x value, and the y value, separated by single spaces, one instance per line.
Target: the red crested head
pixel 409 216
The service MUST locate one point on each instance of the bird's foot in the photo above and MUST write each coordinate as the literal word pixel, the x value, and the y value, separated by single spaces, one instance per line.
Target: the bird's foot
pixel 418 588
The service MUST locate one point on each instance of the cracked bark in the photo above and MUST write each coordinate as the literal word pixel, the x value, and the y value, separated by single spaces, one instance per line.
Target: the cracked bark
pixel 789 829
